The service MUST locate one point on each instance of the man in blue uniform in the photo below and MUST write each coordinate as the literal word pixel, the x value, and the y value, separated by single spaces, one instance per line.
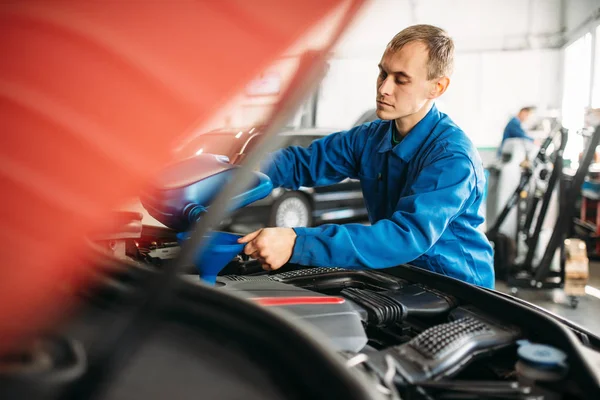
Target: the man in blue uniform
pixel 421 178
pixel 514 129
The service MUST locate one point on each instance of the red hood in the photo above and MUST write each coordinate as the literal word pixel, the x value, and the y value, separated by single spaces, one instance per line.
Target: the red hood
pixel 92 97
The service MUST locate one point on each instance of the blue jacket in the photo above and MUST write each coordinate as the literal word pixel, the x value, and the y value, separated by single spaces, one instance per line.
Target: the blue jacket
pixel 423 197
pixel 514 130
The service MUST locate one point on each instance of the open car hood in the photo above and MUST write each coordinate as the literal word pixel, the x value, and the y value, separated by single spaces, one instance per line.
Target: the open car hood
pixel 93 97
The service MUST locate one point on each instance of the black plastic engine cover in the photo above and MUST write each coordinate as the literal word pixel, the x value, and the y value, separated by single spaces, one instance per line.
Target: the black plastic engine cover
pixel 442 350
pixel 396 305
pixel 334 316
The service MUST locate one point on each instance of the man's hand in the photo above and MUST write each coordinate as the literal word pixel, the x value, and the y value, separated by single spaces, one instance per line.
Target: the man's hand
pixel 272 247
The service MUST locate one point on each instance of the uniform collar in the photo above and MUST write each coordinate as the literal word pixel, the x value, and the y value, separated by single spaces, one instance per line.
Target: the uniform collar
pixel 409 146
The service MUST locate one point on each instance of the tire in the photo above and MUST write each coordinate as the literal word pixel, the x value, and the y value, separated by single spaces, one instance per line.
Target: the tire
pixel 291 210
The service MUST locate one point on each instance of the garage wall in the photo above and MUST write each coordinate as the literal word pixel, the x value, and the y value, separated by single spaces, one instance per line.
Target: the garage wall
pixel 578 13
pixel 490 87
pixel 486 89
pixel 507 56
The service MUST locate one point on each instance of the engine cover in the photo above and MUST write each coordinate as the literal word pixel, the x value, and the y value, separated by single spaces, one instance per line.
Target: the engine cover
pixel 334 316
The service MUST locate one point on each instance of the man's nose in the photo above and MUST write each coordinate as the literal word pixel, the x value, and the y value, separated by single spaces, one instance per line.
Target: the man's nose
pixel 386 87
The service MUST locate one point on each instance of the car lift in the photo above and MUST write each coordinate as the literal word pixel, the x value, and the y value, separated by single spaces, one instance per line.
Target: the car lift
pixel 527 275
pixel 524 227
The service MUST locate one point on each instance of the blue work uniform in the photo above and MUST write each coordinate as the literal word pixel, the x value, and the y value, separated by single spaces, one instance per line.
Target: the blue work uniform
pixel 423 197
pixel 513 130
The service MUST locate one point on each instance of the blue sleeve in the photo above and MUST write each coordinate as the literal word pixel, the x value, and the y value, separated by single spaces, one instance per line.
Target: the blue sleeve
pixel 326 161
pixel 516 131
pixel 443 189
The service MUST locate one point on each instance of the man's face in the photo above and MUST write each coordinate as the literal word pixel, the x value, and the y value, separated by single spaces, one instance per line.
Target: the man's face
pixel 525 114
pixel 402 85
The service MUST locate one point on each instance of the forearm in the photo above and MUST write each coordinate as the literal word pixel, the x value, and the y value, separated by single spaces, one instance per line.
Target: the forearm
pixel 357 246
pixel 324 162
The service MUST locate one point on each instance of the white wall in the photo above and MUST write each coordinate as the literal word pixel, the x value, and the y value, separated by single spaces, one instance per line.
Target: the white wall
pixel 474 24
pixel 577 13
pixel 502 60
pixel 488 88
pixel 346 92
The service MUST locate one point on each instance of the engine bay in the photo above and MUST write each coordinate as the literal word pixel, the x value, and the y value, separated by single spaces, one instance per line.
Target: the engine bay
pixel 416 340
pixel 408 333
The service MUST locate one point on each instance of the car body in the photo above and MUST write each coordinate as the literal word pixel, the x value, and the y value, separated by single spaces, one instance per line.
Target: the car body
pixel 160 253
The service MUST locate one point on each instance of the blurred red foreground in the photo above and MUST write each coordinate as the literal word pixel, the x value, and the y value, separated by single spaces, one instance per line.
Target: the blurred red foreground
pixel 91 98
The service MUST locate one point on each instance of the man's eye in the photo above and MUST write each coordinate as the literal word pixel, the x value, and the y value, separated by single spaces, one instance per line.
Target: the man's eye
pixel 399 82
pixel 382 75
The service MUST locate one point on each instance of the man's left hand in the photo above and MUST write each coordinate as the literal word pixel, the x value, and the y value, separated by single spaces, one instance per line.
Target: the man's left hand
pixel 272 247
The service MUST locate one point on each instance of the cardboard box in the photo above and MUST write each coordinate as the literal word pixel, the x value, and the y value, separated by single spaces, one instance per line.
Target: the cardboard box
pixel 576 267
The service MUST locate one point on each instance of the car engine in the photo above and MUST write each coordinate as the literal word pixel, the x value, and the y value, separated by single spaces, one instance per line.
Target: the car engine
pixel 411 335
pixel 407 333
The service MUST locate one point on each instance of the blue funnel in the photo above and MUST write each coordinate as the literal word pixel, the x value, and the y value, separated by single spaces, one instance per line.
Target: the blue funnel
pixel 219 248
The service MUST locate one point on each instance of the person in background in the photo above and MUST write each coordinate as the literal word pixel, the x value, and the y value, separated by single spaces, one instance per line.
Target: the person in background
pixel 514 128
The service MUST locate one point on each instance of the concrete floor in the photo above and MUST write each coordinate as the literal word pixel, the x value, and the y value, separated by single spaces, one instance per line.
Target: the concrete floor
pixel 556 302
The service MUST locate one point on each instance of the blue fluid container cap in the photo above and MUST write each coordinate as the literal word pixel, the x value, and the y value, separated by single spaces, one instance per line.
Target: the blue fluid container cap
pixel 218 250
pixel 541 355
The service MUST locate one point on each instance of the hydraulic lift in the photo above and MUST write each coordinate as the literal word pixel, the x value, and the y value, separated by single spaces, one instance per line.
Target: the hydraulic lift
pixel 527 274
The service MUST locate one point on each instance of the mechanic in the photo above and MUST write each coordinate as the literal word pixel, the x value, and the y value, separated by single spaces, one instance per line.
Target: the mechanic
pixel 514 129
pixel 421 177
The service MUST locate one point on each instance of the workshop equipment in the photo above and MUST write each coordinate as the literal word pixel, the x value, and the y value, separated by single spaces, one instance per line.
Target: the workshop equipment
pixel 576 270
pixel 540 275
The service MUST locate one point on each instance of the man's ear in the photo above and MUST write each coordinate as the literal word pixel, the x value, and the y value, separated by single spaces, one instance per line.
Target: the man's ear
pixel 439 87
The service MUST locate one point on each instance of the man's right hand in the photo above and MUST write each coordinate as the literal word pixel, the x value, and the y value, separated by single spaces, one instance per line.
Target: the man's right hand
pixel 272 247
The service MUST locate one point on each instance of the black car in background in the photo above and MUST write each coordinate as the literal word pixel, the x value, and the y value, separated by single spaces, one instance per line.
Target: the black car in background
pixel 342 201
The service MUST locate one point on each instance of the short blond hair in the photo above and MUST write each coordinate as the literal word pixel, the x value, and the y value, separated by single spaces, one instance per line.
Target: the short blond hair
pixel 438 42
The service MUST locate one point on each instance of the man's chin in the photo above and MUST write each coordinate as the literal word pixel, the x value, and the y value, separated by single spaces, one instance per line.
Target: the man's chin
pixel 384 115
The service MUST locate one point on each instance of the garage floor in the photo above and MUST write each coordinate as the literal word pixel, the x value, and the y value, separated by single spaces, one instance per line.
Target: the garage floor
pixel 555 301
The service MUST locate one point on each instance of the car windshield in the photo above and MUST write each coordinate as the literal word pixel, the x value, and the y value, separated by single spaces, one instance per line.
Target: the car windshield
pixel 225 144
